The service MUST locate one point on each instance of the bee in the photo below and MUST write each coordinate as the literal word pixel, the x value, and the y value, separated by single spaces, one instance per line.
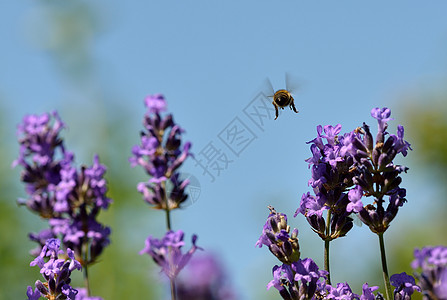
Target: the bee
pixel 281 98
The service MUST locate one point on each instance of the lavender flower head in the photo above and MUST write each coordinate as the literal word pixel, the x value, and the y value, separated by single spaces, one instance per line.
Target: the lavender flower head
pixel 167 252
pixel 375 173
pixel 300 280
pixel 331 180
pixel 430 266
pixel 69 198
pixel 277 237
pixel 160 154
pixel 42 156
pixel 56 272
pixel 83 195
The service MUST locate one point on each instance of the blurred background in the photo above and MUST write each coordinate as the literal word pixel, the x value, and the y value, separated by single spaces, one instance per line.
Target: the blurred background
pixel 95 61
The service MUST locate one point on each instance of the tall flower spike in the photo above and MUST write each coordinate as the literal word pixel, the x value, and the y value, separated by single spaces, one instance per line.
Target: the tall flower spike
pixel 70 199
pixel 42 155
pixel 375 174
pixel 331 179
pixel 81 195
pixel 161 154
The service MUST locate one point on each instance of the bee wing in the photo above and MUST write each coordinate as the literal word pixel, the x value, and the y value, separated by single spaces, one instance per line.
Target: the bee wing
pixel 267 88
pixel 292 84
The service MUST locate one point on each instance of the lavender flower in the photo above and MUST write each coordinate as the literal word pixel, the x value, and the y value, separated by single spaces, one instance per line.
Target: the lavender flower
pixel 68 198
pixel 42 156
pixel 375 174
pixel 56 272
pixel 276 236
pixel 343 291
pixel 331 179
pixel 167 252
pixel 204 279
pixel 430 263
pixel 82 195
pixel 405 286
pixel 160 155
pixel 299 280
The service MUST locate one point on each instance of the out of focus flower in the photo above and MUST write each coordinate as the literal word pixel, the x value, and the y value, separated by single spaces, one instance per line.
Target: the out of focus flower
pixel 70 199
pixel 167 252
pixel 42 156
pixel 204 279
pixel 430 266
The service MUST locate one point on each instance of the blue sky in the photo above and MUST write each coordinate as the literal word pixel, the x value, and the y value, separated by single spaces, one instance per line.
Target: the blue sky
pixel 210 60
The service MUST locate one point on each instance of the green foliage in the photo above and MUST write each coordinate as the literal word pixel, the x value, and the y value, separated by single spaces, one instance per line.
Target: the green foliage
pixel 428 131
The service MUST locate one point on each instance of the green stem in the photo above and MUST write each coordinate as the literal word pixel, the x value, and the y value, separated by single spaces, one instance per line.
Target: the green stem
pixel 85 266
pixel 173 294
pixel 168 219
pixel 168 225
pixel 86 283
pixel 326 247
pixel 386 279
pixel 168 215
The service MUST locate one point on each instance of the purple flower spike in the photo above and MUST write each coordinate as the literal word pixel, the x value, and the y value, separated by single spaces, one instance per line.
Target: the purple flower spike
pixel 160 155
pixel 374 173
pixel 332 178
pixel 70 199
pixel 42 156
pixel 167 252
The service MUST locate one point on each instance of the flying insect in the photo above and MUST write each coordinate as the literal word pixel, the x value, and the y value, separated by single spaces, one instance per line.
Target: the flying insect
pixel 281 98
